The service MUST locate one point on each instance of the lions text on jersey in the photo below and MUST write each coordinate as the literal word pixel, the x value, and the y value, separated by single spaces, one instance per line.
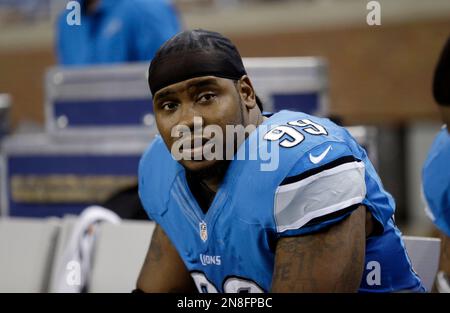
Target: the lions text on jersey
pixel 322 175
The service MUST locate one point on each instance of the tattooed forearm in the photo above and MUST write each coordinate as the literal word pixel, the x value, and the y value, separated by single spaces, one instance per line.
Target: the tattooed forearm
pixel 328 261
pixel 155 252
pixel 163 269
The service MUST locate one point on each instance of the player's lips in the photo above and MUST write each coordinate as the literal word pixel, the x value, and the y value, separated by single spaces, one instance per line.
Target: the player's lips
pixel 194 146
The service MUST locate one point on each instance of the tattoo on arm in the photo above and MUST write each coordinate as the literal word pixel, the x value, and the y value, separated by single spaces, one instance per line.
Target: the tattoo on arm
pixel 328 261
pixel 163 269
pixel 155 250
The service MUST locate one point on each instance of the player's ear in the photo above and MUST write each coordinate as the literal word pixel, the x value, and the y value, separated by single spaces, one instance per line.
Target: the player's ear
pixel 246 92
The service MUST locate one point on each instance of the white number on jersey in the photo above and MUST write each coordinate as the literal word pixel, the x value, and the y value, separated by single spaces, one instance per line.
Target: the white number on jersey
pixel 295 136
pixel 231 285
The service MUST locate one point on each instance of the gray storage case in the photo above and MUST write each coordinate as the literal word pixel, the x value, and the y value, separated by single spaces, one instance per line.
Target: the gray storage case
pixel 116 99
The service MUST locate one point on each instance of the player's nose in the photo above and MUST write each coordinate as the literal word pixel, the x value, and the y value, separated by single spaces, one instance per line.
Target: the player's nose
pixel 189 116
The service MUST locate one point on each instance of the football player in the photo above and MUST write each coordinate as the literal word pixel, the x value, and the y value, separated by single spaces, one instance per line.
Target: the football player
pixel 436 170
pixel 319 221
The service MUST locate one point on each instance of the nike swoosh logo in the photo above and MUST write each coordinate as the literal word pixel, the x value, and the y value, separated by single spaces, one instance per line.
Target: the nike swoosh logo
pixel 317 159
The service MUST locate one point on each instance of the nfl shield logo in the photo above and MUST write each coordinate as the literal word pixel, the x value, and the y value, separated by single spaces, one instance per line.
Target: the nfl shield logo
pixel 203 231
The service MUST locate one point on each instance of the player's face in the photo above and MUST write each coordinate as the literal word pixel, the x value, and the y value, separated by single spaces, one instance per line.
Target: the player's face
pixel 215 100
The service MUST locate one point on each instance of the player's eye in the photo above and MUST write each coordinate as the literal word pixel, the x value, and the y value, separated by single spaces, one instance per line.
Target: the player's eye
pixel 169 106
pixel 206 97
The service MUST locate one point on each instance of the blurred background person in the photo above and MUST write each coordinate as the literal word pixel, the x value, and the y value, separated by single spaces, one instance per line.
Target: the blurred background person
pixel 115 31
pixel 436 171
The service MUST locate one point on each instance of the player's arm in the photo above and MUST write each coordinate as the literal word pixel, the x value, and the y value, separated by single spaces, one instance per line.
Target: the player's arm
pixel 163 269
pixel 331 260
pixel 445 254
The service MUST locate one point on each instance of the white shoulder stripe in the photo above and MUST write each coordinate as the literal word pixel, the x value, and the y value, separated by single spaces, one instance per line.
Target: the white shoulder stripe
pixel 324 173
pixel 323 193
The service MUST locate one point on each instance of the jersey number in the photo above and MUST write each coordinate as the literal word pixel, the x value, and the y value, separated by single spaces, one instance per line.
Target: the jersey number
pixel 231 284
pixel 295 135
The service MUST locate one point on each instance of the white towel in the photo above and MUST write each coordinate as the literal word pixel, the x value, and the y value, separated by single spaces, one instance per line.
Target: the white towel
pixel 74 267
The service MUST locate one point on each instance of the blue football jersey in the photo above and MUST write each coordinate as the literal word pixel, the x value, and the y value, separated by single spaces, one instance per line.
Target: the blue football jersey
pixel 312 176
pixel 436 181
